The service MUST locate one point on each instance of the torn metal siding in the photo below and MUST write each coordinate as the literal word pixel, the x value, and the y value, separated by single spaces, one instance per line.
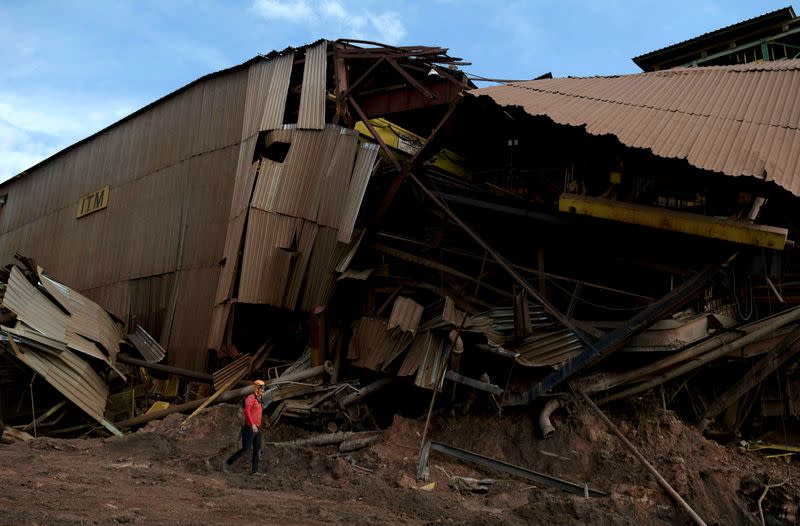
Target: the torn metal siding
pixel 146 345
pixel 337 177
pixel 265 269
pixel 312 96
pixel 365 164
pixel 320 276
pixel 737 120
pixel 406 314
pixel 33 308
pixel 277 91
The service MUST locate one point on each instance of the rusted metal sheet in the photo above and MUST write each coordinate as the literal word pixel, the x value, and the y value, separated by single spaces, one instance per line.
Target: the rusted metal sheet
pixel 406 314
pixel 278 90
pixel 147 346
pixel 265 263
pixel 267 88
pixel 246 173
pixel 33 308
pixel 337 177
pixel 312 96
pixel 236 369
pixel 737 120
pixel 548 348
pixel 194 303
pixel 373 346
pixel 425 360
pixel 320 277
pixel 365 164
pixel 86 317
pixel 72 377
pixel 306 235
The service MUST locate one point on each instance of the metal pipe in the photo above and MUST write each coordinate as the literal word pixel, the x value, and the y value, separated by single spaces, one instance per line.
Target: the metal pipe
pixel 186 373
pixel 604 381
pixel 229 395
pixel 661 480
pixel 788 317
pixel 367 390
pixel 545 425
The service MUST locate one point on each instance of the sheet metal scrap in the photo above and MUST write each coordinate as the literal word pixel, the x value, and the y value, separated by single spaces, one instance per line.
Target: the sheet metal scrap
pixel 147 346
pixel 44 332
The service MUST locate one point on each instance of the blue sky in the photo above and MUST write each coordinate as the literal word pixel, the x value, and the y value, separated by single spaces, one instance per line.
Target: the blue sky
pixel 68 69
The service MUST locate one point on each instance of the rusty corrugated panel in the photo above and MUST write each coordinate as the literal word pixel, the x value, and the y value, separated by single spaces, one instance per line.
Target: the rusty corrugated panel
pixel 266 262
pixel 312 96
pixel 426 360
pixel 269 180
pixel 737 120
pixel 219 320
pixel 33 308
pixel 277 91
pixel 114 298
pixel 373 346
pixel 306 236
pixel 147 346
pixel 192 318
pixel 365 165
pixel 300 175
pixel 325 255
pixel 237 368
pixel 150 302
pixel 548 348
pixel 406 314
pixel 72 377
pixel 86 317
pixel 337 177
pixel 246 174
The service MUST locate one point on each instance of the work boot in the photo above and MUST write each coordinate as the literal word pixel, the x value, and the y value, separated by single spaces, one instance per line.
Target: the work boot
pixel 256 473
pixel 225 466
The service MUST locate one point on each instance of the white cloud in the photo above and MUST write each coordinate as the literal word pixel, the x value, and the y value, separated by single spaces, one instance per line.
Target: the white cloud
pixel 35 126
pixel 349 21
pixel 290 11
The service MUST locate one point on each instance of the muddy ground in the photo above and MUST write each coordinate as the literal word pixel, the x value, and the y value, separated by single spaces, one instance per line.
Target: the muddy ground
pixel 163 474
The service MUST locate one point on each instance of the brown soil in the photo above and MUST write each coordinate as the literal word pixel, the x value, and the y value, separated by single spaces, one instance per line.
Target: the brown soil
pixel 164 475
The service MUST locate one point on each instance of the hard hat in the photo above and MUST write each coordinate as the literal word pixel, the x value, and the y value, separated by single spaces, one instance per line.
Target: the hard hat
pixel 259 383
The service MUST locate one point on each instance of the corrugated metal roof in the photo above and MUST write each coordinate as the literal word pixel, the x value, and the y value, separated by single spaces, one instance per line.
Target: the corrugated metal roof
pixel 786 14
pixel 737 120
pixel 312 96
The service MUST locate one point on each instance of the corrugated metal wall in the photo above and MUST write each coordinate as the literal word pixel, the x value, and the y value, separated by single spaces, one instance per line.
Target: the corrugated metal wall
pixel 171 170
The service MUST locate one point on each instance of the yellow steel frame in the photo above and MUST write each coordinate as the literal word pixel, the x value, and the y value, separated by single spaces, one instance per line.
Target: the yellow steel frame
pixel 674 221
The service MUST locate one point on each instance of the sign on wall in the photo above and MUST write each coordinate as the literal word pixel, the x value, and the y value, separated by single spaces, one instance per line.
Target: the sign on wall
pixel 93 202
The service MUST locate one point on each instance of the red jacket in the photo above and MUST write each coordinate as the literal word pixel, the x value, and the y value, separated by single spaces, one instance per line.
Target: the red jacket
pixel 252 411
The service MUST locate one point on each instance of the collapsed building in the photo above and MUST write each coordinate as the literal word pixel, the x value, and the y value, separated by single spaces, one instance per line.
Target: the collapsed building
pixel 363 215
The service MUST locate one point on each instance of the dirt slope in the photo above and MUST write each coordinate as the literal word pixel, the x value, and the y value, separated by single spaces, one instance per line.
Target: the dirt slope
pixel 164 475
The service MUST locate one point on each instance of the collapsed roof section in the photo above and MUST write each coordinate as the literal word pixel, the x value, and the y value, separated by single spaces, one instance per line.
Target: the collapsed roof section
pixel 735 120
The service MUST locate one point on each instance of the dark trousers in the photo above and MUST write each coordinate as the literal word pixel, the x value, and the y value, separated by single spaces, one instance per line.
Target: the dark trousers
pixel 250 439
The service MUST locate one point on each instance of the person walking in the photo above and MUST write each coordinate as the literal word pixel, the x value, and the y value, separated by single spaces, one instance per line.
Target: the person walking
pixel 251 434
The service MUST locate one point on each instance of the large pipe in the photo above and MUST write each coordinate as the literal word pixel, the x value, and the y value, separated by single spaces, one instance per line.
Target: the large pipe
pixel 186 373
pixel 229 395
pixel 545 425
pixel 367 390
pixel 778 322
pixel 603 381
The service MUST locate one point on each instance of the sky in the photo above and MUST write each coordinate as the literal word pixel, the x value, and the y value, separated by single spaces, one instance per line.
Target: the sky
pixel 70 68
